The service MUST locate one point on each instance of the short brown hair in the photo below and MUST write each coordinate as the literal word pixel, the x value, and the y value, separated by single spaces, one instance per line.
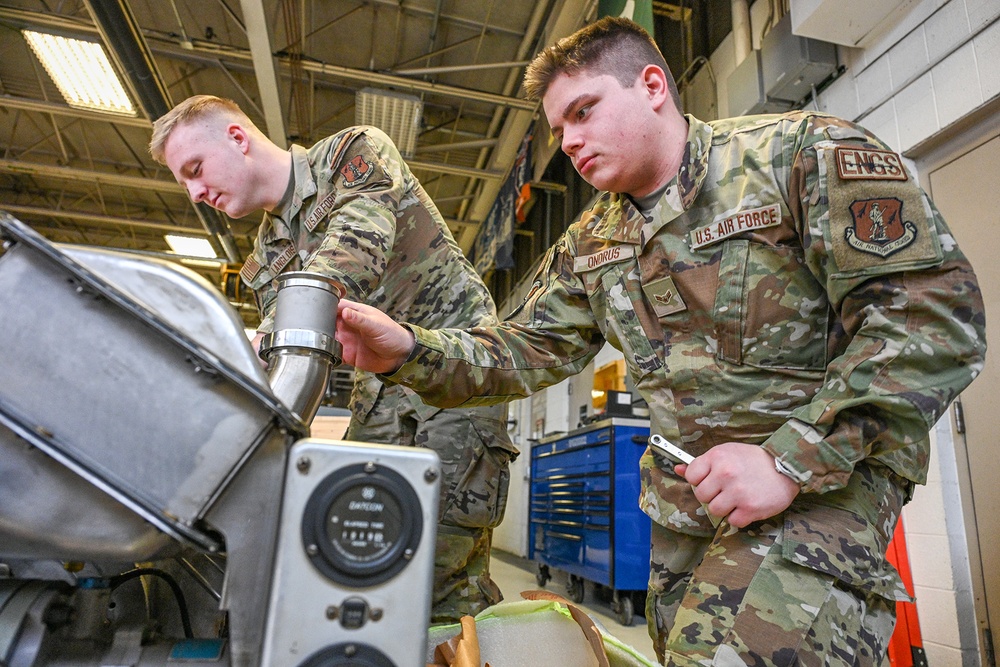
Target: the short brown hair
pixel 193 108
pixel 612 45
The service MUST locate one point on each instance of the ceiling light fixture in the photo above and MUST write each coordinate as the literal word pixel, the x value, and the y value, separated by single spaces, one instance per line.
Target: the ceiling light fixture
pixel 190 246
pixel 81 71
pixel 395 114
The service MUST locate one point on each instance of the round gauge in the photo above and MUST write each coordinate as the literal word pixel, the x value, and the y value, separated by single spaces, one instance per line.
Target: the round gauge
pixel 361 525
pixel 348 655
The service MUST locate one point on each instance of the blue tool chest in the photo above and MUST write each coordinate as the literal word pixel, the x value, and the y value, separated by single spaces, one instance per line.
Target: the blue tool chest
pixel 584 513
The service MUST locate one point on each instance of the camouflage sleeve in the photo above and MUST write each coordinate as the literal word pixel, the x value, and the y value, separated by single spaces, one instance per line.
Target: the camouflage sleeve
pixel 908 314
pixel 368 182
pixel 550 337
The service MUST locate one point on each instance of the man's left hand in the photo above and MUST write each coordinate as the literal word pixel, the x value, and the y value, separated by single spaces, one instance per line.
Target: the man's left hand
pixel 739 481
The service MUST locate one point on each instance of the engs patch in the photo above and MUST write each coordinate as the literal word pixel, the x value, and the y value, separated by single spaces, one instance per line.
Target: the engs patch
pixel 875 224
pixel 868 164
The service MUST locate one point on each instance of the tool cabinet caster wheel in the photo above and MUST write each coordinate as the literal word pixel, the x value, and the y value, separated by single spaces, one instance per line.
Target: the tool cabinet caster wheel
pixel 625 610
pixel 574 588
pixel 542 576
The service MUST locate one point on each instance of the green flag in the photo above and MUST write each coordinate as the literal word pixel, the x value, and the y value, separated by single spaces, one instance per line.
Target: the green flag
pixel 640 11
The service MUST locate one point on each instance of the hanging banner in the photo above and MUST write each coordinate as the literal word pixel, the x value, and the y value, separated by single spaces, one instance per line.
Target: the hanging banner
pixel 494 247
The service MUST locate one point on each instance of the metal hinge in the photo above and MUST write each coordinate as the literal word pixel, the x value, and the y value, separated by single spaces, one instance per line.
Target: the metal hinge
pixel 959 416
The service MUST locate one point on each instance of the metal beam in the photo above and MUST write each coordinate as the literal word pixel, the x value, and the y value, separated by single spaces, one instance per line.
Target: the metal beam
pixel 25 104
pixel 444 69
pixel 263 65
pixel 99 219
pixel 121 32
pixel 455 170
pixel 87 176
pixel 457 146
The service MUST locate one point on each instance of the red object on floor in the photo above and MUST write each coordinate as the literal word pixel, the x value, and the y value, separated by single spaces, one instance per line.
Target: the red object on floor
pixel 905 645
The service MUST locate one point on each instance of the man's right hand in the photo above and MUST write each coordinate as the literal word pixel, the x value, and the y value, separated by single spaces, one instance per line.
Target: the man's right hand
pixel 370 339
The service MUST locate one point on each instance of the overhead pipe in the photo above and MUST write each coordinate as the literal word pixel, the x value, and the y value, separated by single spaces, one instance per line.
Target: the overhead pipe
pixel 742 38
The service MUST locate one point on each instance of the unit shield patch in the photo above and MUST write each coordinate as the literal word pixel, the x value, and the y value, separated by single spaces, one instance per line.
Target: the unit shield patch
pixel 879 227
pixel 356 171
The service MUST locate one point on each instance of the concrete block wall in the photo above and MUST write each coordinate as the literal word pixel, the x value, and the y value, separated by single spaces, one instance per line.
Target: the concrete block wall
pixel 938 63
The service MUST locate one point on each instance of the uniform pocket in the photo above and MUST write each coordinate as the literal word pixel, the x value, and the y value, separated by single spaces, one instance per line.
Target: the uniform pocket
pixel 365 394
pixel 475 474
pixel 769 311
pixel 848 535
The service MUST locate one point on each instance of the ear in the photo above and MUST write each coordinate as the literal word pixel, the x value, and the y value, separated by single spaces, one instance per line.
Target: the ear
pixel 235 132
pixel 654 80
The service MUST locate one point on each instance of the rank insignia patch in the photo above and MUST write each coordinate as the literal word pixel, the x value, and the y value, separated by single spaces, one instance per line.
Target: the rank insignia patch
pixel 356 171
pixel 879 227
pixel 664 296
pixel 250 270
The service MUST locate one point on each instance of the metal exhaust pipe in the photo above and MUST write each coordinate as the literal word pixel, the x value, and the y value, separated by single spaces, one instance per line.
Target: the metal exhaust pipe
pixel 302 351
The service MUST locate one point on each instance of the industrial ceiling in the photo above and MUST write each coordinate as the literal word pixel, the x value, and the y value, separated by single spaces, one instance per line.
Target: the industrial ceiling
pixel 295 66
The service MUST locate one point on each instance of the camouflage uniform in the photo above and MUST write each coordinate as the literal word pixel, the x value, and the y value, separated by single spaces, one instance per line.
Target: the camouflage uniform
pixel 793 288
pixel 358 214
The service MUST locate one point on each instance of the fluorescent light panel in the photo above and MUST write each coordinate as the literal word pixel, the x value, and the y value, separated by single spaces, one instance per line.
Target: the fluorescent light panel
pixel 190 246
pixel 81 71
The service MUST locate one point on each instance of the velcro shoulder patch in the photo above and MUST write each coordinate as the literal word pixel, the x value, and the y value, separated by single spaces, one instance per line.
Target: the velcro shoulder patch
pixel 356 171
pixel 877 216
pixel 356 163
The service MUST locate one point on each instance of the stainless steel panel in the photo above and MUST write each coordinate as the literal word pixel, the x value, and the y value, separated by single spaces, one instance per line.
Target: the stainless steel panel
pixel 157 409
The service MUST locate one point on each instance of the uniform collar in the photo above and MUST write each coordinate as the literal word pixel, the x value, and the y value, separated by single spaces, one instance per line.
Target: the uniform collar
pixel 305 187
pixel 624 223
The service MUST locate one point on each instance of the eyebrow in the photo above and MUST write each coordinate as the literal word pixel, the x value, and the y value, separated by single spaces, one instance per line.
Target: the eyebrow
pixel 568 109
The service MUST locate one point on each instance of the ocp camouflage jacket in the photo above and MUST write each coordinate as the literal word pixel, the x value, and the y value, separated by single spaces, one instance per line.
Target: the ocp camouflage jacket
pixel 793 288
pixel 359 215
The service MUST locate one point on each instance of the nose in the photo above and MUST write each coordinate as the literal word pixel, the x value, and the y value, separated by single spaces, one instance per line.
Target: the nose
pixel 196 191
pixel 571 141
